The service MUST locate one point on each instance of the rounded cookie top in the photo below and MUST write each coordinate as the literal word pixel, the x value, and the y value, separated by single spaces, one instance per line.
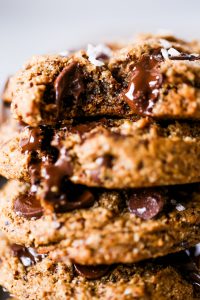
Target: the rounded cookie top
pixel 155 76
pixel 28 272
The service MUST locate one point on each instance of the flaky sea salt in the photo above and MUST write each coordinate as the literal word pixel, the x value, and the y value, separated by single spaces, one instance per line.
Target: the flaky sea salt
pixel 164 53
pixel 26 261
pixel 94 52
pixel 180 207
pixel 165 44
pixel 173 52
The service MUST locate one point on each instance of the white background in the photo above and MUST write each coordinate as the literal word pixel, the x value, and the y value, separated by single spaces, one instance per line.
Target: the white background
pixel 30 27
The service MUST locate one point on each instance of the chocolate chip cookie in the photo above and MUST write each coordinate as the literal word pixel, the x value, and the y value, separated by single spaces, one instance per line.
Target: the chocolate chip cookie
pixel 123 153
pixel 155 76
pixel 95 226
pixel 30 273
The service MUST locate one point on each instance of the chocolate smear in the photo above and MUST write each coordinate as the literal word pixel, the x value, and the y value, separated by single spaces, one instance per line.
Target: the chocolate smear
pixel 33 142
pixel 144 85
pixel 68 86
pixel 53 174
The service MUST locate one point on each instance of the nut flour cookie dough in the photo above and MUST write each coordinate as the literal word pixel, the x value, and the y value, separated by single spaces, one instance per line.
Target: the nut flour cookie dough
pixel 104 227
pixel 155 76
pixel 27 273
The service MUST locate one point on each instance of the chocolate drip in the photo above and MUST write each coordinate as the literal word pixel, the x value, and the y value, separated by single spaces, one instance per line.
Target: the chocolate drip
pixel 91 272
pixel 145 82
pixel 33 142
pixel 27 206
pixel 49 169
pixel 27 256
pixel 68 86
pixel 146 203
pixel 53 174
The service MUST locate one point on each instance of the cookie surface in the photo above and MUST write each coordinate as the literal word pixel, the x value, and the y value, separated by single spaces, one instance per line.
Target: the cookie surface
pixel 107 153
pixel 26 273
pixel 103 81
pixel 123 226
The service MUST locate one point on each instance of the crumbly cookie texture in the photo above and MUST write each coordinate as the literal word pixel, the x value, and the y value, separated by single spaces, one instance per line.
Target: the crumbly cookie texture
pixel 116 228
pixel 26 273
pixel 107 81
pixel 106 153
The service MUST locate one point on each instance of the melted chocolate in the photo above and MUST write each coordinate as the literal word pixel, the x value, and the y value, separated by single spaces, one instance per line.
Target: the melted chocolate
pixel 53 174
pixel 185 56
pixel 49 171
pixel 75 197
pixel 146 203
pixel 68 84
pixel 27 206
pixel 91 272
pixel 145 82
pixel 33 142
pixel 27 256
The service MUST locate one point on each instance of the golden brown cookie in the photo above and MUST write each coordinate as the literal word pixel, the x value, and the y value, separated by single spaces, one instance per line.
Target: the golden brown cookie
pixel 155 76
pixel 95 226
pixel 28 273
pixel 123 153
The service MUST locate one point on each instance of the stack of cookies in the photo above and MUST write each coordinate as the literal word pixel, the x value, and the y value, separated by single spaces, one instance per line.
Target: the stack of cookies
pixel 102 153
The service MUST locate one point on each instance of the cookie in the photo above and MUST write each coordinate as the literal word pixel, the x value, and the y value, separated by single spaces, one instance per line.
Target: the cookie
pixel 104 227
pixel 107 153
pixel 155 76
pixel 27 273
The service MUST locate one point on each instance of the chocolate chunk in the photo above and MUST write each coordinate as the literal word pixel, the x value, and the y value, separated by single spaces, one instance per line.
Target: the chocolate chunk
pixel 106 161
pixel 92 272
pixel 185 56
pixel 33 142
pixel 28 206
pixel 68 84
pixel 102 57
pixel 27 256
pixel 53 174
pixel 146 203
pixel 145 82
pixel 75 197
